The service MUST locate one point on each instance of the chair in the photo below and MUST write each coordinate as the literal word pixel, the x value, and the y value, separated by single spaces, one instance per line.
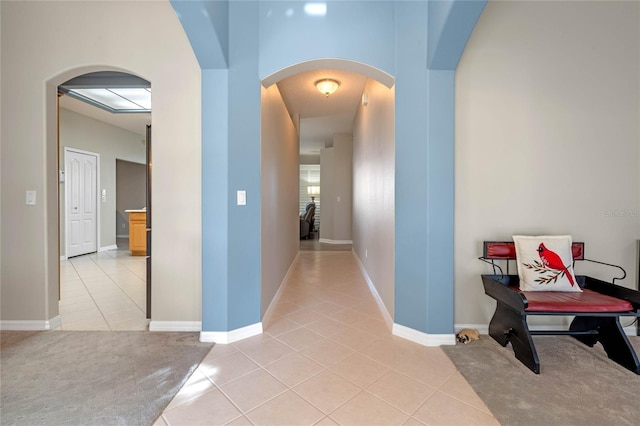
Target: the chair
pixel 307 220
pixel 596 310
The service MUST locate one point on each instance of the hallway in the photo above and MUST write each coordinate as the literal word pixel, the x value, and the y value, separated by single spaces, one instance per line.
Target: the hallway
pixel 326 357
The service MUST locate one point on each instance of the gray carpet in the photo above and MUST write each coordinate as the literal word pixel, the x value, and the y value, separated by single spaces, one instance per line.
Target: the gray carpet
pixel 93 378
pixel 578 385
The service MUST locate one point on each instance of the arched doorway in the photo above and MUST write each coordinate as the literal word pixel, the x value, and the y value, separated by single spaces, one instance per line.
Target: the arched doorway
pixel 359 201
pixel 103 114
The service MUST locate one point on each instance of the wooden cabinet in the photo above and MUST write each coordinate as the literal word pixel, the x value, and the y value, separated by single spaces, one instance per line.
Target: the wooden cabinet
pixel 138 233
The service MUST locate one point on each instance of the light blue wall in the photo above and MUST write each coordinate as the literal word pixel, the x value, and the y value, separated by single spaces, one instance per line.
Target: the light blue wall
pixel 266 36
pixel 440 201
pixel 244 167
pixel 215 187
pixel 450 25
pixel 412 266
pixel 206 24
pixel 361 31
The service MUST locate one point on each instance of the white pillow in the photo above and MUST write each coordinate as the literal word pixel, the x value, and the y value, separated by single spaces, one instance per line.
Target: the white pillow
pixel 545 263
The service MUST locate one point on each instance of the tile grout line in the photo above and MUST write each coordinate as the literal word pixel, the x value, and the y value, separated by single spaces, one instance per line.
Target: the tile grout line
pixel 290 388
pixel 439 389
pixel 90 295
pixel 94 257
pixel 395 359
pixel 461 400
pixel 118 285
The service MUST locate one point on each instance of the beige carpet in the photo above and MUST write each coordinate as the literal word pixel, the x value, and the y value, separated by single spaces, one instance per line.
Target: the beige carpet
pixel 578 385
pixel 93 378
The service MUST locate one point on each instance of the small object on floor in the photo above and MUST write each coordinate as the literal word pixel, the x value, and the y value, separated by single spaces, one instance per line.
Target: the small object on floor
pixel 467 335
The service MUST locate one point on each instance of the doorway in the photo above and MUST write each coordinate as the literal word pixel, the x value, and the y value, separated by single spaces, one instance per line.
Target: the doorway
pixel 105 114
pixel 350 137
pixel 81 201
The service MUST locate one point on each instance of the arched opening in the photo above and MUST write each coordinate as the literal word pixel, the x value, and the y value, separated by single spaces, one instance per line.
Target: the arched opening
pixel 350 137
pixel 99 284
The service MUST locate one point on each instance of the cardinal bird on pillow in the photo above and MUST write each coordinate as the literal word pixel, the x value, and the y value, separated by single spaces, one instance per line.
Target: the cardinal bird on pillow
pixel 552 261
pixel 545 263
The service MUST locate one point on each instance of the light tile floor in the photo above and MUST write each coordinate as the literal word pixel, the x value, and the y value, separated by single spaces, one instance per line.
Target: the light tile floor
pixel 103 291
pixel 326 357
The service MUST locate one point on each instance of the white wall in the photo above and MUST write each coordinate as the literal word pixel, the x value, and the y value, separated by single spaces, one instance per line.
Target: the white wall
pixel 374 189
pixel 547 135
pixel 343 187
pixel 336 189
pixel 327 197
pixel 85 133
pixel 47 43
pixel 280 222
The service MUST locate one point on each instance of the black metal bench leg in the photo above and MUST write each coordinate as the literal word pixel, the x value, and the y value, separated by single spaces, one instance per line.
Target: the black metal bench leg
pixel 616 343
pixel 500 325
pixel 585 324
pixel 611 335
pixel 507 326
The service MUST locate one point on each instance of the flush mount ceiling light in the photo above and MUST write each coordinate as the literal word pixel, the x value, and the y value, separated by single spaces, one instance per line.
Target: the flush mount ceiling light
pixel 112 91
pixel 116 99
pixel 315 9
pixel 327 86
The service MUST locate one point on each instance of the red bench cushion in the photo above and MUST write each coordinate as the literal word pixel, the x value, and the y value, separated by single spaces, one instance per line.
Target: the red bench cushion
pixel 587 301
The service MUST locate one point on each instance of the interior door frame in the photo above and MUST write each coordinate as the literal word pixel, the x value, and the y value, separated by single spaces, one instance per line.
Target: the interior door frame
pixel 149 210
pixel 66 199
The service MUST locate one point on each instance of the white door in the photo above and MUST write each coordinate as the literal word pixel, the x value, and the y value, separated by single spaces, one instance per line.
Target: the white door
pixel 82 202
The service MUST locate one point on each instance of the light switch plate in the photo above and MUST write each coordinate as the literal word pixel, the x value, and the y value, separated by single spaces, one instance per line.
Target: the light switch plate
pixel 31 198
pixel 242 198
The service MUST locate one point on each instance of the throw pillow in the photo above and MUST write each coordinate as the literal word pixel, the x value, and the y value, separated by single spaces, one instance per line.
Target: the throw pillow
pixel 545 263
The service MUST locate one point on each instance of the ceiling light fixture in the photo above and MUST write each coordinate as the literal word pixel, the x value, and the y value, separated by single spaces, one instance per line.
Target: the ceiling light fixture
pixel 114 100
pixel 316 9
pixel 327 86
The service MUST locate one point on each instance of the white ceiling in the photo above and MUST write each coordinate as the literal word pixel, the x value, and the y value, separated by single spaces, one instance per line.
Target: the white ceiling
pixel 320 117
pixel 136 123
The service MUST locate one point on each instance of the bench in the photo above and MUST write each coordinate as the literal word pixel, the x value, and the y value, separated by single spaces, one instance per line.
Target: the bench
pixel 597 310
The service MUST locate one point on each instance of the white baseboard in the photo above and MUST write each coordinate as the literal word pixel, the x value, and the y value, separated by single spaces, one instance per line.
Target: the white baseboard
pixel 372 288
pixel 421 338
pixel 54 323
pixel 328 241
pixel 43 325
pixel 175 326
pixel 225 337
pixel 126 236
pixel 106 248
pixel 484 328
pixel 416 336
pixel 267 314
